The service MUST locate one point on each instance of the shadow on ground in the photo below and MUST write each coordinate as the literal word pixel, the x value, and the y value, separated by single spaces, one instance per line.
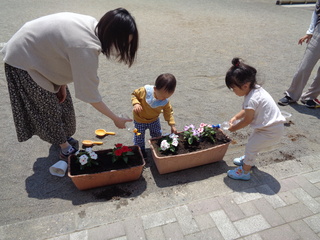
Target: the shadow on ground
pixel 43 185
pixel 305 110
pixel 188 175
pixel 260 182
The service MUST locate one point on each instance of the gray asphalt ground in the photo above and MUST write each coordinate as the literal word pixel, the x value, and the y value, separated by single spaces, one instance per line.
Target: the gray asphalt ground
pixel 195 41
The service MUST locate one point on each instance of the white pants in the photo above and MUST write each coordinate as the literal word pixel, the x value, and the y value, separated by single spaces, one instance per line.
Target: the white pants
pixel 261 139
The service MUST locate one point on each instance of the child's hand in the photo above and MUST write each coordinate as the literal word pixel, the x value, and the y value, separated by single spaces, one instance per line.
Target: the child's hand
pixel 137 108
pixel 173 129
pixel 231 123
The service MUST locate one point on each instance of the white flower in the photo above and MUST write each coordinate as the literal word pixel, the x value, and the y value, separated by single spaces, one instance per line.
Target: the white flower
pixel 173 136
pixel 93 155
pixel 164 145
pixel 83 159
pixel 89 150
pixel 175 142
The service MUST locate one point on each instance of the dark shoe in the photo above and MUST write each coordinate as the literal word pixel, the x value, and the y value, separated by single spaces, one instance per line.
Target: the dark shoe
pixel 73 142
pixel 313 103
pixel 285 101
pixel 66 155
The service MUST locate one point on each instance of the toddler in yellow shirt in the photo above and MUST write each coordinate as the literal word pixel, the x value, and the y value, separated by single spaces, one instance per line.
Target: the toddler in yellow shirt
pixel 148 103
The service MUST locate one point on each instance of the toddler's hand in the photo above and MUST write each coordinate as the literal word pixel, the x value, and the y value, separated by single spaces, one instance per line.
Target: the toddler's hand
pixel 173 129
pixel 137 108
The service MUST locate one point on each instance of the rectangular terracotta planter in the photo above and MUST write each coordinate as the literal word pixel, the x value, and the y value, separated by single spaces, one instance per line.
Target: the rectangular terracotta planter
pixel 173 163
pixel 87 181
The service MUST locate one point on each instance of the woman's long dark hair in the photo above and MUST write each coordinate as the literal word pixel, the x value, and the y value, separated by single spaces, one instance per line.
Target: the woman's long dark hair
pixel 113 30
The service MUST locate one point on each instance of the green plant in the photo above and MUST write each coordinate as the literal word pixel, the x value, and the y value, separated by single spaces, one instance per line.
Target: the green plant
pixel 208 132
pixel 169 143
pixel 191 134
pixel 86 158
pixel 121 151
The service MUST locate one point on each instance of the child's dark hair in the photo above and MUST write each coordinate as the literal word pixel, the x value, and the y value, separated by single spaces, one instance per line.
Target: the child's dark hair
pixel 113 30
pixel 239 74
pixel 167 82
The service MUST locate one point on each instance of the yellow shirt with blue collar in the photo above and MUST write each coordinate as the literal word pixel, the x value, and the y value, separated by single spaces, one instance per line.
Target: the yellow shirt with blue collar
pixel 151 106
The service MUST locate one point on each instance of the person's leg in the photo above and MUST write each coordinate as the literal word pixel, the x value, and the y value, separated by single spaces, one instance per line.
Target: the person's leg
pixel 314 90
pixel 155 128
pixel 139 139
pixel 35 110
pixel 248 160
pixel 262 139
pixel 258 140
pixel 309 60
pixel 69 119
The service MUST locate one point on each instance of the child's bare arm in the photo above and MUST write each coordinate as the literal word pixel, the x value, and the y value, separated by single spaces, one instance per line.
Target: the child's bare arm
pixel 247 115
pixel 238 116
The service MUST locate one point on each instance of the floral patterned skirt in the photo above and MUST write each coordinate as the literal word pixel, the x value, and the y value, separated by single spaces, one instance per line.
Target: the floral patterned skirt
pixel 37 111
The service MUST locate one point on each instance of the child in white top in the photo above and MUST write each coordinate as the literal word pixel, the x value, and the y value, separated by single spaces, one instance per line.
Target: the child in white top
pixel 259 110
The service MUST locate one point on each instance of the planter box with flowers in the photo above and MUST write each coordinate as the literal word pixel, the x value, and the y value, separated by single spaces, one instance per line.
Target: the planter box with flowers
pixel 191 148
pixel 88 169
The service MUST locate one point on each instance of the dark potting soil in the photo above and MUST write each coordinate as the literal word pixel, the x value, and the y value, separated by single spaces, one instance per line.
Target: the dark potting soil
pixel 105 162
pixel 112 193
pixel 184 147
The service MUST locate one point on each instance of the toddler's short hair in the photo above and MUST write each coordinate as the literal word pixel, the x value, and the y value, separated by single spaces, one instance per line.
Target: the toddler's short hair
pixel 167 82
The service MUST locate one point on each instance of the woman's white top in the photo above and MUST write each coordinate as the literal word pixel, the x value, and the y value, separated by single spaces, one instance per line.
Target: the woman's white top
pixel 56 50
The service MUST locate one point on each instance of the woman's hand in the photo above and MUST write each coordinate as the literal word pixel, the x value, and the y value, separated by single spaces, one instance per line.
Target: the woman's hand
pixel 62 93
pixel 120 122
pixel 305 38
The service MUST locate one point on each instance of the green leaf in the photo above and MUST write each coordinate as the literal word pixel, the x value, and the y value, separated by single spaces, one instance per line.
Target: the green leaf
pixel 125 159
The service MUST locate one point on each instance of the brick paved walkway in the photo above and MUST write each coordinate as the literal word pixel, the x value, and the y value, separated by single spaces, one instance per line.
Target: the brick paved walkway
pixel 254 213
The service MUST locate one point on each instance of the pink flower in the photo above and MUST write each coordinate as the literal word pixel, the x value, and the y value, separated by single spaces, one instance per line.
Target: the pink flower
pixel 203 125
